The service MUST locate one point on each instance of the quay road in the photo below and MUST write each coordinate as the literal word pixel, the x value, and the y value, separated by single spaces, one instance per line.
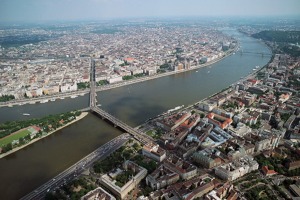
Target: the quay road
pixel 44 98
pixel 107 87
pixel 141 137
pixel 79 167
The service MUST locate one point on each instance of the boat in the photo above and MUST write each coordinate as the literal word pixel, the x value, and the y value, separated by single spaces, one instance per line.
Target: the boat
pixel 208 72
pixel 62 97
pixel 196 71
pixel 53 99
pixel 73 96
pixel 44 101
pixel 253 69
pixel 26 114
pixel 174 109
pixel 257 66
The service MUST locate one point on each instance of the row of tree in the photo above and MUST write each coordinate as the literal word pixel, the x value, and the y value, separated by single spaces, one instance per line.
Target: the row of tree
pixel 5 98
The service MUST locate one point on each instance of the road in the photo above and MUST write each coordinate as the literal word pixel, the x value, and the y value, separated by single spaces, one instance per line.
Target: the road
pixel 84 164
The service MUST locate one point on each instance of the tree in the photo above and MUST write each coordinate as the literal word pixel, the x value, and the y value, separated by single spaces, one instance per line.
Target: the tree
pixel 21 141
pixel 136 146
pixel 7 148
pixel 27 137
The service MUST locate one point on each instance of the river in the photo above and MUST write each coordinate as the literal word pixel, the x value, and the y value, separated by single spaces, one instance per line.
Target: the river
pixel 26 169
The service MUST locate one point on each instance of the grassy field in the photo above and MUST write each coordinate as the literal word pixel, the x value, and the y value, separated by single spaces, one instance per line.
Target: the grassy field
pixel 151 133
pixel 13 137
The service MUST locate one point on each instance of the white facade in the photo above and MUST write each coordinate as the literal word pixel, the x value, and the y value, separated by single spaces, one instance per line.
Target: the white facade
pixel 115 79
pixel 236 169
pixel 122 192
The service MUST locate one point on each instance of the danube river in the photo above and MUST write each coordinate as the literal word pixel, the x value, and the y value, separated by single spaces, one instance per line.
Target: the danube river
pixel 30 167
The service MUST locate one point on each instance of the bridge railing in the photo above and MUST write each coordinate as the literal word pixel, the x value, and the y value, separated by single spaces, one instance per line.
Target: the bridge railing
pixel 137 134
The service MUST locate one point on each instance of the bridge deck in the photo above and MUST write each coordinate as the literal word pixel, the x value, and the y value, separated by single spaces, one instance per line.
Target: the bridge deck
pixel 142 137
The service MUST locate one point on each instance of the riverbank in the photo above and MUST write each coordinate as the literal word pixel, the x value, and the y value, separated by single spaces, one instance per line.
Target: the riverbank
pixel 81 116
pixel 115 85
pixel 249 76
pixel 147 78
pixel 132 106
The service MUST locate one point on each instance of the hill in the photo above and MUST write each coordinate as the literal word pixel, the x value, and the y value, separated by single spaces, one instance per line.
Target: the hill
pixel 279 36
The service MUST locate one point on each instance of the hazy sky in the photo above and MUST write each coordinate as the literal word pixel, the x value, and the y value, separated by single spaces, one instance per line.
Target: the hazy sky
pixel 32 10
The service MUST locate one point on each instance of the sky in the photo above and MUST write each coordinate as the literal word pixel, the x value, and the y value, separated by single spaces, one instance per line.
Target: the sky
pixel 39 10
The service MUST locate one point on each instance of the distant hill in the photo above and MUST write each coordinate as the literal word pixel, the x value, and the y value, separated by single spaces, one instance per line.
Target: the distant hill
pixel 279 36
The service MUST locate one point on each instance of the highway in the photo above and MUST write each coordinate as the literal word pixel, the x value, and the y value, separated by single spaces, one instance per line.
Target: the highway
pixel 84 164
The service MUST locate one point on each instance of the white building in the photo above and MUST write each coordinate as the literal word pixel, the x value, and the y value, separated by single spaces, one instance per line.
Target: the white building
pixel 114 79
pixel 154 151
pixel 240 130
pixel 207 105
pixel 68 87
pixel 109 183
pixel 98 194
pixel 237 168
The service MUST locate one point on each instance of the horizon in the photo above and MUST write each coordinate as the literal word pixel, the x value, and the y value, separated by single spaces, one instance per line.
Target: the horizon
pixel 152 19
pixel 104 10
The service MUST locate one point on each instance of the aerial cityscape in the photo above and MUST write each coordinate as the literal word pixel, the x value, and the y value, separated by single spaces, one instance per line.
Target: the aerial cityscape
pixel 126 99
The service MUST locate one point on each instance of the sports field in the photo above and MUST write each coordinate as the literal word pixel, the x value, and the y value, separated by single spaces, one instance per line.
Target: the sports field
pixel 14 136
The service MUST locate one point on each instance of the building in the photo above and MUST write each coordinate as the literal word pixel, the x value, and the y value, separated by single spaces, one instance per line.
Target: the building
pixel 114 79
pixel 237 168
pixel 293 165
pixel 265 139
pixel 295 189
pixel 222 112
pixel 191 122
pixel 172 139
pixel 98 194
pixel 208 158
pixel 207 105
pixel 267 172
pixel 154 151
pixel 284 97
pixel 232 149
pixel 181 167
pixel 188 147
pixel 247 118
pixel 224 191
pixel 161 177
pixel 219 120
pixel 109 182
pixel 171 122
pixel 188 190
